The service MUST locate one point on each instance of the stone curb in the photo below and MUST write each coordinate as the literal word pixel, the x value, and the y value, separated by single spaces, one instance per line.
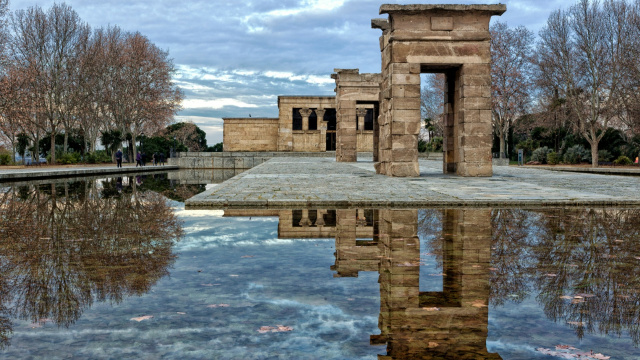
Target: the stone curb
pixel 17 175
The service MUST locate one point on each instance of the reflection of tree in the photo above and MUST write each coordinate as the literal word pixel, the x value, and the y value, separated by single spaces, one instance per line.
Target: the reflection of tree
pixel 64 246
pixel 510 255
pixel 585 270
pixel 582 263
pixel 158 183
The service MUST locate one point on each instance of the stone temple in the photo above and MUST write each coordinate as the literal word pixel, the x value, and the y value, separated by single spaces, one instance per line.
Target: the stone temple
pixel 380 113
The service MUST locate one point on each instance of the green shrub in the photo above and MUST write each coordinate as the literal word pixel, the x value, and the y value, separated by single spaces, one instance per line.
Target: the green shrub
pixel 422 146
pixel 540 154
pixel 623 160
pixel 68 158
pixel 5 158
pixel 97 157
pixel 576 154
pixel 435 145
pixel 604 155
pixel 553 158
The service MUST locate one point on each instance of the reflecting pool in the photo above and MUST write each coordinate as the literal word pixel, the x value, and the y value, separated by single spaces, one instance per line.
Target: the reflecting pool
pixel 118 268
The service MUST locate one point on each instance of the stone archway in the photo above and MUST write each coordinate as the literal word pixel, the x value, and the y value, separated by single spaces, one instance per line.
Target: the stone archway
pixel 454 40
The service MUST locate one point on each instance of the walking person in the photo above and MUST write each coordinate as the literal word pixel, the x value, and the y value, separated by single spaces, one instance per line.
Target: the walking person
pixel 154 158
pixel 119 158
pixel 138 159
pixel 162 158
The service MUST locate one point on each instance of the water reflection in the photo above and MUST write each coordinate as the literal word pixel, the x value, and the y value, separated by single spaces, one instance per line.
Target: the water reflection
pixel 65 245
pixel 581 265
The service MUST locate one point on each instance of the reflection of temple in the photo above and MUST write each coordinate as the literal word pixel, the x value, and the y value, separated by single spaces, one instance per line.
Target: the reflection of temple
pixel 449 324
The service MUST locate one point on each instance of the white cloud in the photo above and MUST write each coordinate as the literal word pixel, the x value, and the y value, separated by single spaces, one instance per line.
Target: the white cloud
pixel 214 103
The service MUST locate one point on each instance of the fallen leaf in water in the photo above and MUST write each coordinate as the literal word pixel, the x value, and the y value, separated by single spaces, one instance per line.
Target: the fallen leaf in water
pixel 552 275
pixel 569 352
pixel 181 313
pixel 618 241
pixel 350 299
pixel 233 275
pixel 277 328
pixel 433 344
pixel 218 306
pixel 578 297
pixel 565 347
pixel 441 274
pixel 431 309
pixel 585 295
pixel 493 269
pixel 576 323
pixel 142 318
pixel 566 297
pixel 478 304
pixel 206 284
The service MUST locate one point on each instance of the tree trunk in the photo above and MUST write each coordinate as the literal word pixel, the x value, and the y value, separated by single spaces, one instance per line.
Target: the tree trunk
pixel 502 146
pixel 66 142
pixel 594 154
pixel 133 145
pixel 53 148
pixel 37 149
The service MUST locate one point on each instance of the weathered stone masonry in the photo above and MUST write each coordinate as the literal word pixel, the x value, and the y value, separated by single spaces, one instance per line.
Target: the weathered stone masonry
pixel 449 39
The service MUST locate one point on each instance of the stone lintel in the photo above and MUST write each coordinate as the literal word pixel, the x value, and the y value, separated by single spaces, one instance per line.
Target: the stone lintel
pixel 494 9
pixel 382 24
pixel 346 71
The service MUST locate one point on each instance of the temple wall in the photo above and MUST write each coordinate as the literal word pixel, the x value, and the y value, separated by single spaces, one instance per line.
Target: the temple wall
pixel 250 134
pixel 305 139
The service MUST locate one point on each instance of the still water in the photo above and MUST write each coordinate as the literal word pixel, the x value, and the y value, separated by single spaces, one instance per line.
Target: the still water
pixel 117 268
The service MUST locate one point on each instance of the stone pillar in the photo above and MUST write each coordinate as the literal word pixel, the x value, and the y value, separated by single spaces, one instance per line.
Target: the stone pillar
pixel 305 113
pixel 322 126
pixel 305 222
pixel 346 136
pixel 450 140
pixel 361 113
pixel 320 218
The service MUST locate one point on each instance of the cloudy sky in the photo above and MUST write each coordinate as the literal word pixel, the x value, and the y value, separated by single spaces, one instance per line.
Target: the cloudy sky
pixel 235 57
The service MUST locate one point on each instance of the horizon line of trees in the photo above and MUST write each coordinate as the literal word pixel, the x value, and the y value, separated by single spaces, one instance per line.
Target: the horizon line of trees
pixel 580 78
pixel 58 76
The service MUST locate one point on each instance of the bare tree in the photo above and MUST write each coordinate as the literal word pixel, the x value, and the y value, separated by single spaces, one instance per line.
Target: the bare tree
pixel 432 103
pixel 583 46
pixel 47 43
pixel 630 87
pixel 511 70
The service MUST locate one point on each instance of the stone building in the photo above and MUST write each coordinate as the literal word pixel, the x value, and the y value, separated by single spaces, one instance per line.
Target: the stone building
pixel 380 113
pixel 343 123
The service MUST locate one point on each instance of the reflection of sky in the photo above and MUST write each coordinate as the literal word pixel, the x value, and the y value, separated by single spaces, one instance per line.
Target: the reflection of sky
pixel 234 261
pixel 233 276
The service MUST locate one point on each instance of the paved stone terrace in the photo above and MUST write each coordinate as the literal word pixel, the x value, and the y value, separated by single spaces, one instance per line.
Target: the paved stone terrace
pixel 33 173
pixel 323 183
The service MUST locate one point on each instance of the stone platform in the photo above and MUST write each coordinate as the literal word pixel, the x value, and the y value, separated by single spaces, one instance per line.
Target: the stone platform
pixel 324 183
